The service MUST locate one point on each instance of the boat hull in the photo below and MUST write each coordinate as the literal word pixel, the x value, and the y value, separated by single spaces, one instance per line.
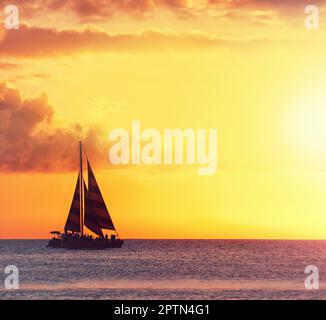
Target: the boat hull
pixel 84 244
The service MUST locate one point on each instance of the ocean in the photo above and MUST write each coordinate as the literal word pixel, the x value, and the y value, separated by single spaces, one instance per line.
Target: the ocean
pixel 166 269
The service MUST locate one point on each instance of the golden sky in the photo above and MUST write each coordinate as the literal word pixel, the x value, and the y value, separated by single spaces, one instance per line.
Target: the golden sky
pixel 246 67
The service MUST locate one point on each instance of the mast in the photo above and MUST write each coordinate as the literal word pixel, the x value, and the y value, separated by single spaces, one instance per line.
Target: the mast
pixel 81 189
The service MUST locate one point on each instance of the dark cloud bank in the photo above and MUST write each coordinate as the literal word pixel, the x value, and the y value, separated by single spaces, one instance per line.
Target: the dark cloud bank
pixel 31 142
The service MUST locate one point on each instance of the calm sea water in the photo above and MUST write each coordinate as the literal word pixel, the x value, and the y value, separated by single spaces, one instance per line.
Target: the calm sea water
pixel 166 269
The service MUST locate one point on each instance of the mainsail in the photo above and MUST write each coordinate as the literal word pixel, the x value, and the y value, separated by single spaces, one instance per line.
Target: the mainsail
pixel 73 220
pixel 97 216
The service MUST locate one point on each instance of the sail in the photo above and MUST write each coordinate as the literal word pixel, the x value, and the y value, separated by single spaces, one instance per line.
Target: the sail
pixel 97 216
pixel 73 220
pixel 91 220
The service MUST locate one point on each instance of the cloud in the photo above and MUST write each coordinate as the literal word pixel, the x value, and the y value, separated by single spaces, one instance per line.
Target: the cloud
pixel 90 10
pixel 95 9
pixel 37 42
pixel 30 140
pixel 42 42
pixel 7 65
pixel 27 76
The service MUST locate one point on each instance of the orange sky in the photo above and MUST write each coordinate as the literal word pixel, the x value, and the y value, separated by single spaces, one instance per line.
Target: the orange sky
pixel 248 68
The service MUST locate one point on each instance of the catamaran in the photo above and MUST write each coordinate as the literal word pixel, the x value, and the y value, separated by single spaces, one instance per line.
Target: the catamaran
pixel 87 209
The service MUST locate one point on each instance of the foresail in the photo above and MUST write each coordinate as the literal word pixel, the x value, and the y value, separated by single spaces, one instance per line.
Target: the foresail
pixel 96 213
pixel 73 220
pixel 91 221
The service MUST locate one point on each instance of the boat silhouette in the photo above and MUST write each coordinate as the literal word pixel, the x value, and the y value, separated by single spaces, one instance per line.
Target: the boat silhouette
pixel 88 209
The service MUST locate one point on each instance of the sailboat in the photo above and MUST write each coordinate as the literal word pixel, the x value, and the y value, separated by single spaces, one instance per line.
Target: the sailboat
pixel 89 210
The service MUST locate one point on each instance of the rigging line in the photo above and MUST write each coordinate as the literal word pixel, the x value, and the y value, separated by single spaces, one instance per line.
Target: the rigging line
pixel 87 160
pixel 85 152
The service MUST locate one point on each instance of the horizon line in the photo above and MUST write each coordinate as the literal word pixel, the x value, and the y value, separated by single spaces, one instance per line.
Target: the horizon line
pixel 213 239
